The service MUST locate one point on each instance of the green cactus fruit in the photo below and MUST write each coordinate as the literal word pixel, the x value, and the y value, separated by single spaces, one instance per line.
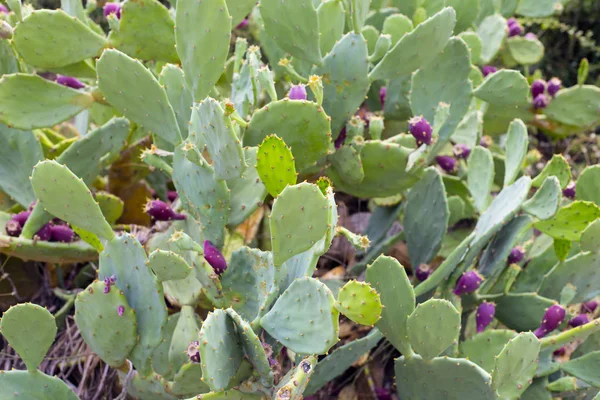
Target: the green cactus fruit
pixel 389 279
pixel 135 39
pixel 570 221
pixel 106 322
pixel 54 103
pixel 331 24
pixel 294 26
pixel 418 47
pixel 522 311
pixel 359 302
pixel 515 365
pixel 50 39
pixel 588 187
pixel 304 318
pixel 546 201
pixel 580 271
pixel 110 205
pixel 35 385
pixel 576 106
pixel 188 381
pixel 168 266
pixel 53 182
pixel 492 32
pixel 125 258
pixel 517 142
pixel 275 165
pixel 303 126
pixel 483 348
pixel 179 94
pixel 160 356
pixel 220 350
pixel 559 167
pixel 186 331
pixel 30 330
pixel 455 379
pixel 145 102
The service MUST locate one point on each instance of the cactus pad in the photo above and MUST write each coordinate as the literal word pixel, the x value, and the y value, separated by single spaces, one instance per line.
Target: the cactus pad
pixel 580 271
pixel 516 365
pixel 483 348
pixel 247 192
pixel 348 165
pixel 570 221
pixel 359 302
pixel 588 185
pixel 160 356
pixel 492 32
pixel 239 9
pixel 52 252
pixel 503 88
pixel 583 368
pixel 576 106
pixel 188 381
pixel 106 322
pixel 275 165
pixel 480 177
pixel 168 266
pixel 186 331
pixel 559 167
pixel 545 202
pixel 304 318
pixel 522 311
pixel 433 327
pixel 517 143
pixel 179 94
pixel 331 24
pixel 110 205
pixel 26 385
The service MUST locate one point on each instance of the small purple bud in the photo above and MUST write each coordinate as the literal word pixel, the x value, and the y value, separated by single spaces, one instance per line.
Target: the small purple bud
pixel 461 151
pixel 488 70
pixel 468 283
pixel 511 21
pixel 297 92
pixel 339 141
pixel 193 352
pixel 243 24
pixel 112 8
pixel 383 393
pixel 214 257
pixel 3 9
pixel 538 87
pixel 553 317
pixel 13 228
pixel 515 30
pixel 21 217
pixel 447 163
pixel 559 352
pixel 121 310
pixel 172 195
pixel 531 36
pixel 161 211
pixel 382 95
pixel 69 81
pixel 579 320
pixel 569 191
pixel 420 129
pixel 589 307
pixel 61 233
pixel 516 255
pixel 422 272
pixel 45 232
pixel 554 85
pixel 485 315
pixel 541 101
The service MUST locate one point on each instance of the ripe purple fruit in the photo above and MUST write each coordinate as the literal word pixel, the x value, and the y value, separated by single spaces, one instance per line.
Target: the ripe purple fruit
pixel 488 70
pixel 485 315
pixel 193 352
pixel 112 8
pixel 214 257
pixel 540 101
pixel 447 163
pixel 420 128
pixel 554 85
pixel 243 24
pixel 516 255
pixel 172 195
pixel 531 36
pixel 553 317
pixel 13 228
pixel 61 233
pixel 589 307
pixel 382 94
pixel 559 352
pixel 297 92
pixel 511 21
pixel 161 211
pixel 468 283
pixel 579 320
pixel 461 151
pixel 569 191
pixel 515 29
pixel 69 81
pixel 3 9
pixel 422 272
pixel 45 232
pixel 21 217
pixel 538 87
pixel 383 393
pixel 339 141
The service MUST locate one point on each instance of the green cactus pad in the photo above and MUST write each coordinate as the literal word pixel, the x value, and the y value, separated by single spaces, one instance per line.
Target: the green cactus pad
pixel 294 25
pixel 588 185
pixel 54 103
pixel 516 365
pixel 150 387
pixel 303 126
pixel 397 25
pixel 545 202
pixel 389 279
pixel 535 8
pixel 522 311
pixel 426 217
pixel 292 385
pixel 525 51
pixel 188 381
pixel 145 102
pixel 135 39
pixel 304 318
pixel 275 165
pixel 345 73
pixel 168 266
pixel 33 386
pixel 209 126
pixel 348 165
pixel 203 196
pixel 584 368
pixel 580 271
pixel 570 221
pixel 111 206
pixel 559 167
pixel 253 348
pixel 442 378
pixel 576 106
pixel 249 282
pixel 483 348
pixel 186 331
pixel 202 34
pixel 492 32
pixel 331 24
pixel 8 58
pixel 125 258
pixel 59 253
pixel 110 335
pixel 50 39
pixel 30 330
pixel 65 196
pixel 480 177
pixel 239 9
pixel 433 327
pixel 160 356
pixel 19 153
pixel 220 350
pixel 371 35
pixel 517 143
pixel 359 302
pixel 179 94
pixel 417 48
pixel 299 219
pixel 474 43
pixel 504 88
pixel 590 237
pixel 247 192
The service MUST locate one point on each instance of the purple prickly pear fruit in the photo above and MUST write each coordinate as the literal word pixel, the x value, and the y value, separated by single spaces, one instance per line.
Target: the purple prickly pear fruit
pixel 13 228
pixel 161 211
pixel 420 128
pixel 554 85
pixel 69 81
pixel 540 101
pixel 422 272
pixel 515 29
pixel 553 317
pixel 3 9
pixel 214 257
pixel 45 232
pixel 461 151
pixel 538 87
pixel 112 8
pixel 511 21
pixel 61 233
pixel 488 70
pixel 243 24
pixel 383 393
pixel 193 352
pixel 531 36
pixel 447 163
pixel 297 92
pixel 339 141
pixel 21 217
pixel 589 307
pixel 382 95
pixel 172 195
pixel 485 315
pixel 559 352
pixel 579 320
pixel 569 191
pixel 468 283
pixel 120 310
pixel 516 255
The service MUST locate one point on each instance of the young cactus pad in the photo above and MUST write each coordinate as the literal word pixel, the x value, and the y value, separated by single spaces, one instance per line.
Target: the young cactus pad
pixel 359 302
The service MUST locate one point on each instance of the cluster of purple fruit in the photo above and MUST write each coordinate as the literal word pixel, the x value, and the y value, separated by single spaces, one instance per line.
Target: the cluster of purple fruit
pixel 543 91
pixel 54 231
